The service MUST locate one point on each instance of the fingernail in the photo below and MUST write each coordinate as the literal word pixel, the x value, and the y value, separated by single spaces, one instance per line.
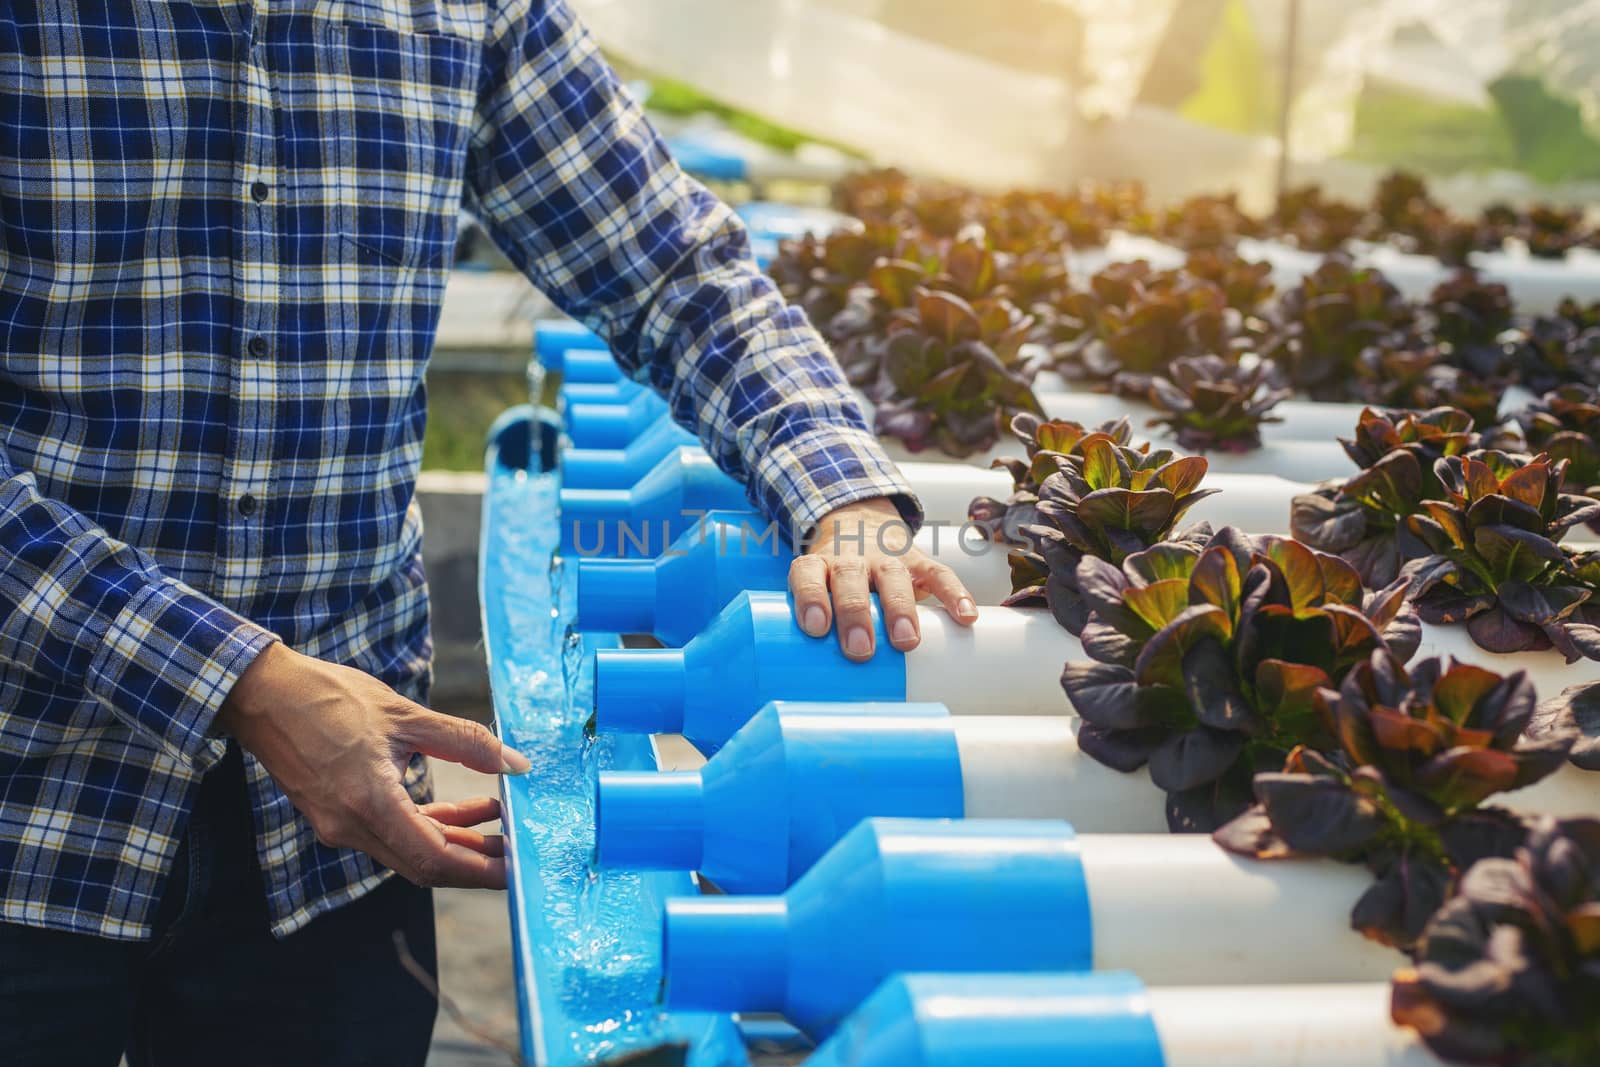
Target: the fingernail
pixel 858 642
pixel 816 621
pixel 903 633
pixel 514 762
pixel 966 608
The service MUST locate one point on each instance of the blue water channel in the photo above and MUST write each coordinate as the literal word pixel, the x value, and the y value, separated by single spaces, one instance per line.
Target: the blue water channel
pixel 587 943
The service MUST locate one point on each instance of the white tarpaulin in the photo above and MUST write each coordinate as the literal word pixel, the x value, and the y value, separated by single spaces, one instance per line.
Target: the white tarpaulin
pixel 1019 92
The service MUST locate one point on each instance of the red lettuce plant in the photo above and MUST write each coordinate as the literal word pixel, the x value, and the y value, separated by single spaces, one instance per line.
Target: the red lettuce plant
pixel 1495 561
pixel 1106 501
pixel 1574 712
pixel 1403 790
pixel 1552 351
pixel 1326 322
pixel 1246 285
pixel 949 367
pixel 1047 444
pixel 1363 518
pixel 1206 659
pixel 1565 424
pixel 1404 373
pixel 1211 403
pixel 1469 311
pixel 1162 319
pixel 1508 971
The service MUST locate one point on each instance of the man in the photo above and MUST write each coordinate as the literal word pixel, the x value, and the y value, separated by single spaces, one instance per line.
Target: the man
pixel 225 227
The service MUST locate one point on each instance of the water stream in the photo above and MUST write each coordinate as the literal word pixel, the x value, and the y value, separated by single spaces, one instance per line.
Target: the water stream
pixel 596 935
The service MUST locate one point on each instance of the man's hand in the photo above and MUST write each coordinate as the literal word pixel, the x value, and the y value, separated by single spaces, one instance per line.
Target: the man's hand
pixel 337 742
pixel 856 549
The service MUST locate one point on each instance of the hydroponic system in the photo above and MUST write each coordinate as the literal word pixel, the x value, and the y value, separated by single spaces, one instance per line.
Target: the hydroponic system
pixel 1276 740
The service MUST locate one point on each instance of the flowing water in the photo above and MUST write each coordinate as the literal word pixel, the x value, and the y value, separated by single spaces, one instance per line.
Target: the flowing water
pixel 594 936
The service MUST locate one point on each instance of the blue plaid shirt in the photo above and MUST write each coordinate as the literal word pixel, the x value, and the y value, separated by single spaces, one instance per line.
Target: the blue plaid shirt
pixel 225 228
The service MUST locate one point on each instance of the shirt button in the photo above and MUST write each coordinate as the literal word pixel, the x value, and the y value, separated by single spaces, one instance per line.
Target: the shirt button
pixel 259 191
pixel 257 346
pixel 247 505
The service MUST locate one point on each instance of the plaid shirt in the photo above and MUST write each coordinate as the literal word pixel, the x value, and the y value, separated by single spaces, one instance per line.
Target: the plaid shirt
pixel 225 228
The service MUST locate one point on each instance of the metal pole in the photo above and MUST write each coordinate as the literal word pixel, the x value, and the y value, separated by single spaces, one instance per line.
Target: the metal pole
pixel 1291 42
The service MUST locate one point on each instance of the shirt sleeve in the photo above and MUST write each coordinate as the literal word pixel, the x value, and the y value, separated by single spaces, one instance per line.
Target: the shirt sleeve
pixel 577 189
pixel 79 607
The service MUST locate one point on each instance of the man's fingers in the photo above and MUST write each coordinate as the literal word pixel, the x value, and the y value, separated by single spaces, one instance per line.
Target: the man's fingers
pixel 898 599
pixel 942 582
pixel 462 741
pixel 422 853
pixel 485 844
pixel 851 585
pixel 808 584
pixel 471 812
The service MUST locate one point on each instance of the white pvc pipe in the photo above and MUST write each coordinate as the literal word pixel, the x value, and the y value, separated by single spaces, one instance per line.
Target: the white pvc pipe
pixel 1284 1026
pixel 1568 793
pixel 1305 461
pixel 946 490
pixel 1008 663
pixel 982 565
pixel 1181 911
pixel 1303 420
pixel 1015 767
pixel 1255 503
pixel 1547 670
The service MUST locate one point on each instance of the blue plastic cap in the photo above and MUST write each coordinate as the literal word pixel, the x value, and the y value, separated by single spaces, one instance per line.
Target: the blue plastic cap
pixel 725 953
pixel 580 365
pixel 650 821
pixel 639 690
pixel 617 596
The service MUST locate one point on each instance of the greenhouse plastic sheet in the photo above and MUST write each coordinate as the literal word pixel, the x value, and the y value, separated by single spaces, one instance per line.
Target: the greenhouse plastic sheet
pixel 586 943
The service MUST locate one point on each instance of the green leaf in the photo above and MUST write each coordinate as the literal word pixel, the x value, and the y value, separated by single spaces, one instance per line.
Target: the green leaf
pixel 1148 512
pixel 1161 660
pixel 1300 570
pixel 1160 602
pixel 1215 581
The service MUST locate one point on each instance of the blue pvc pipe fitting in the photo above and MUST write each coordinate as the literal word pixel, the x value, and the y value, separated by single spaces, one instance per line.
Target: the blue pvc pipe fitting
pixel 677 594
pixel 620 468
pixel 612 425
pixel 650 820
pixel 618 392
pixel 643 690
pixel 893 895
pixel 752 653
pixel 999 1020
pixel 591 366
pixel 787 786
pixel 645 520
pixel 554 338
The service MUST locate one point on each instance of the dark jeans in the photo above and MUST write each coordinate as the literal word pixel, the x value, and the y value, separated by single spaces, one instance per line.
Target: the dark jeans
pixel 214 986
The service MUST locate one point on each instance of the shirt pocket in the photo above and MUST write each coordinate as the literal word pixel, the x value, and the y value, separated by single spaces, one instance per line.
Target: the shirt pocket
pixel 402 104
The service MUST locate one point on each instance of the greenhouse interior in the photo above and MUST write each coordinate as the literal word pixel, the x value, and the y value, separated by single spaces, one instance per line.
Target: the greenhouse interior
pixel 1011 534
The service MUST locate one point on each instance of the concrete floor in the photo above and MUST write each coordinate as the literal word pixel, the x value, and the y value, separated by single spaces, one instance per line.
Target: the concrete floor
pixel 475 969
